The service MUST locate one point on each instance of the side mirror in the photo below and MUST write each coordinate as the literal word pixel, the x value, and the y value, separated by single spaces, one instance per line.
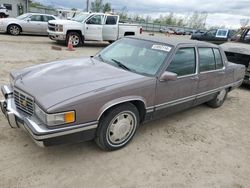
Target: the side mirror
pixel 28 19
pixel 168 76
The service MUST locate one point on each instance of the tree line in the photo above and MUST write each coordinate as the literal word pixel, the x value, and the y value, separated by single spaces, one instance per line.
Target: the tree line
pixel 196 20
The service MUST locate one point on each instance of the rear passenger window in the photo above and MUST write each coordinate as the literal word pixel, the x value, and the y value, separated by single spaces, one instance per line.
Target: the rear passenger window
pixel 218 59
pixel 183 62
pixel 206 59
pixel 111 20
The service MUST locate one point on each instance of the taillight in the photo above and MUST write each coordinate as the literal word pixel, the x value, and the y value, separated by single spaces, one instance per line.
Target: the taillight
pixel 141 30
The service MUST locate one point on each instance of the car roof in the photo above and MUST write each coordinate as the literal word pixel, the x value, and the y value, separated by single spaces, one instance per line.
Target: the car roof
pixel 40 14
pixel 173 41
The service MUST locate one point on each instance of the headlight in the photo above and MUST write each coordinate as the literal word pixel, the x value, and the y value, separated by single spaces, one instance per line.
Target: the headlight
pixel 55 119
pixel 59 28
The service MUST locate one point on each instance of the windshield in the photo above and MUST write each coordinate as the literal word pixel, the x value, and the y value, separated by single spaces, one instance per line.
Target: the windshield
pixel 23 16
pixel 81 17
pixel 139 56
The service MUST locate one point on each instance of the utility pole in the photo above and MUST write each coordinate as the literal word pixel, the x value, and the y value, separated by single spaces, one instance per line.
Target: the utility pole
pixel 87 6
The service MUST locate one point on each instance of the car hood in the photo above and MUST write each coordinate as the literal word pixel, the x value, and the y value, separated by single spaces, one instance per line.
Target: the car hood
pixel 65 22
pixel 53 83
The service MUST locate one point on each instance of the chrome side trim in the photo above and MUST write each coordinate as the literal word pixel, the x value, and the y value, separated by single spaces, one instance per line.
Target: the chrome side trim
pixel 216 70
pixel 200 95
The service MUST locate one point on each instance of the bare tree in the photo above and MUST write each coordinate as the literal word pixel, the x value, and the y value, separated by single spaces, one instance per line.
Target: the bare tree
pixel 198 20
pixel 244 22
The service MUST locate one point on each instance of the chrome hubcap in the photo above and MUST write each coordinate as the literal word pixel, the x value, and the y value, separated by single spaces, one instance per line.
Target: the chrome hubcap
pixel 14 30
pixel 221 95
pixel 121 127
pixel 75 40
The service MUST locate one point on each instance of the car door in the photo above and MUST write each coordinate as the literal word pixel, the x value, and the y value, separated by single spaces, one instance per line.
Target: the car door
pixel 211 73
pixel 93 28
pixel 110 28
pixel 172 96
pixel 33 24
pixel 209 36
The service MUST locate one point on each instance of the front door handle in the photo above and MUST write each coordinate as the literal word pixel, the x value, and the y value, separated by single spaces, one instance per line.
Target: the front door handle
pixel 195 78
pixel 221 72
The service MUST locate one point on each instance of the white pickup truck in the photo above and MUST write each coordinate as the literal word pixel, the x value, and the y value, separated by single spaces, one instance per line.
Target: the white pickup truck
pixel 91 27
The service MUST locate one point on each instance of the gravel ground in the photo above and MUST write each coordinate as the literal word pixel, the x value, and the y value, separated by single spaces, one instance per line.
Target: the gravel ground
pixel 200 147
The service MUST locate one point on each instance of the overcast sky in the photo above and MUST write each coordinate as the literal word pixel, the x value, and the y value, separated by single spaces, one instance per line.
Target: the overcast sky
pixel 220 12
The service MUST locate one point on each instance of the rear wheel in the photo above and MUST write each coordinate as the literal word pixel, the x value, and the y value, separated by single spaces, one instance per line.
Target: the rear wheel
pixel 14 29
pixel 219 99
pixel 117 127
pixel 75 38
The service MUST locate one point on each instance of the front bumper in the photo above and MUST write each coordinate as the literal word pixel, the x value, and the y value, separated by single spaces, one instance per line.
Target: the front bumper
pixel 56 36
pixel 39 132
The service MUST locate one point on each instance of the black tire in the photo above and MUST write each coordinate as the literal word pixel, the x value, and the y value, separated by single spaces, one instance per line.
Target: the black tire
pixel 14 29
pixel 120 121
pixel 77 40
pixel 2 15
pixel 111 41
pixel 219 99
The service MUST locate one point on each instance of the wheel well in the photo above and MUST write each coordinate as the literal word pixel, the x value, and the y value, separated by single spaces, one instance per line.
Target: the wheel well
pixel 129 33
pixel 21 30
pixel 137 103
pixel 76 31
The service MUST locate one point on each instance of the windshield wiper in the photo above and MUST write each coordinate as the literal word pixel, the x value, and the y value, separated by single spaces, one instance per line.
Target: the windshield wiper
pixel 121 65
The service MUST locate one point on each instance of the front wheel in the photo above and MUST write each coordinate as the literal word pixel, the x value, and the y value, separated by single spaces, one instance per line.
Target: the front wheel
pixel 117 127
pixel 76 39
pixel 219 99
pixel 14 30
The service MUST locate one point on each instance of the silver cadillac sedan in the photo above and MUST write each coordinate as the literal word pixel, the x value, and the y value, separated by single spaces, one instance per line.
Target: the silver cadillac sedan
pixel 32 23
pixel 107 97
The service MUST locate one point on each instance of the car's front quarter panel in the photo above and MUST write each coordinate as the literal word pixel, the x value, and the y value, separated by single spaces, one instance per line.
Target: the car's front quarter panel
pixel 90 106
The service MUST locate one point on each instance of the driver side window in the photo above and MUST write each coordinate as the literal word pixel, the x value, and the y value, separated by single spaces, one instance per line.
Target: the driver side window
pixel 184 62
pixel 36 18
pixel 95 20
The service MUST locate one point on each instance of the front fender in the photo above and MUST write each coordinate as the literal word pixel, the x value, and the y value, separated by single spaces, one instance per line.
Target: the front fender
pixel 117 101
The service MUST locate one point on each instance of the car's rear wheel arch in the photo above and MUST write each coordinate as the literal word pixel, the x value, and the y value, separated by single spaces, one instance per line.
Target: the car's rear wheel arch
pixel 129 33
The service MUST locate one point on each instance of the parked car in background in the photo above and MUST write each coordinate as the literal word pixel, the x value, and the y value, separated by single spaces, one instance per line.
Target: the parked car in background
pixel 32 23
pixel 238 50
pixel 167 30
pixel 199 31
pixel 180 31
pixel 91 27
pixel 188 31
pixel 216 36
pixel 106 97
pixel 4 13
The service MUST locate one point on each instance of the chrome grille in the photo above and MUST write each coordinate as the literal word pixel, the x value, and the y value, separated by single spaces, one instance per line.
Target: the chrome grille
pixel 24 102
pixel 51 27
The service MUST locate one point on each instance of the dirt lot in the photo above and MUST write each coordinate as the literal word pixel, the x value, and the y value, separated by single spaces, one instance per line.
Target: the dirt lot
pixel 201 147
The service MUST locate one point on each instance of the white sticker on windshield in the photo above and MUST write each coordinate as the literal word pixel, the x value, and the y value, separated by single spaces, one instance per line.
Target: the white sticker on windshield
pixel 161 47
